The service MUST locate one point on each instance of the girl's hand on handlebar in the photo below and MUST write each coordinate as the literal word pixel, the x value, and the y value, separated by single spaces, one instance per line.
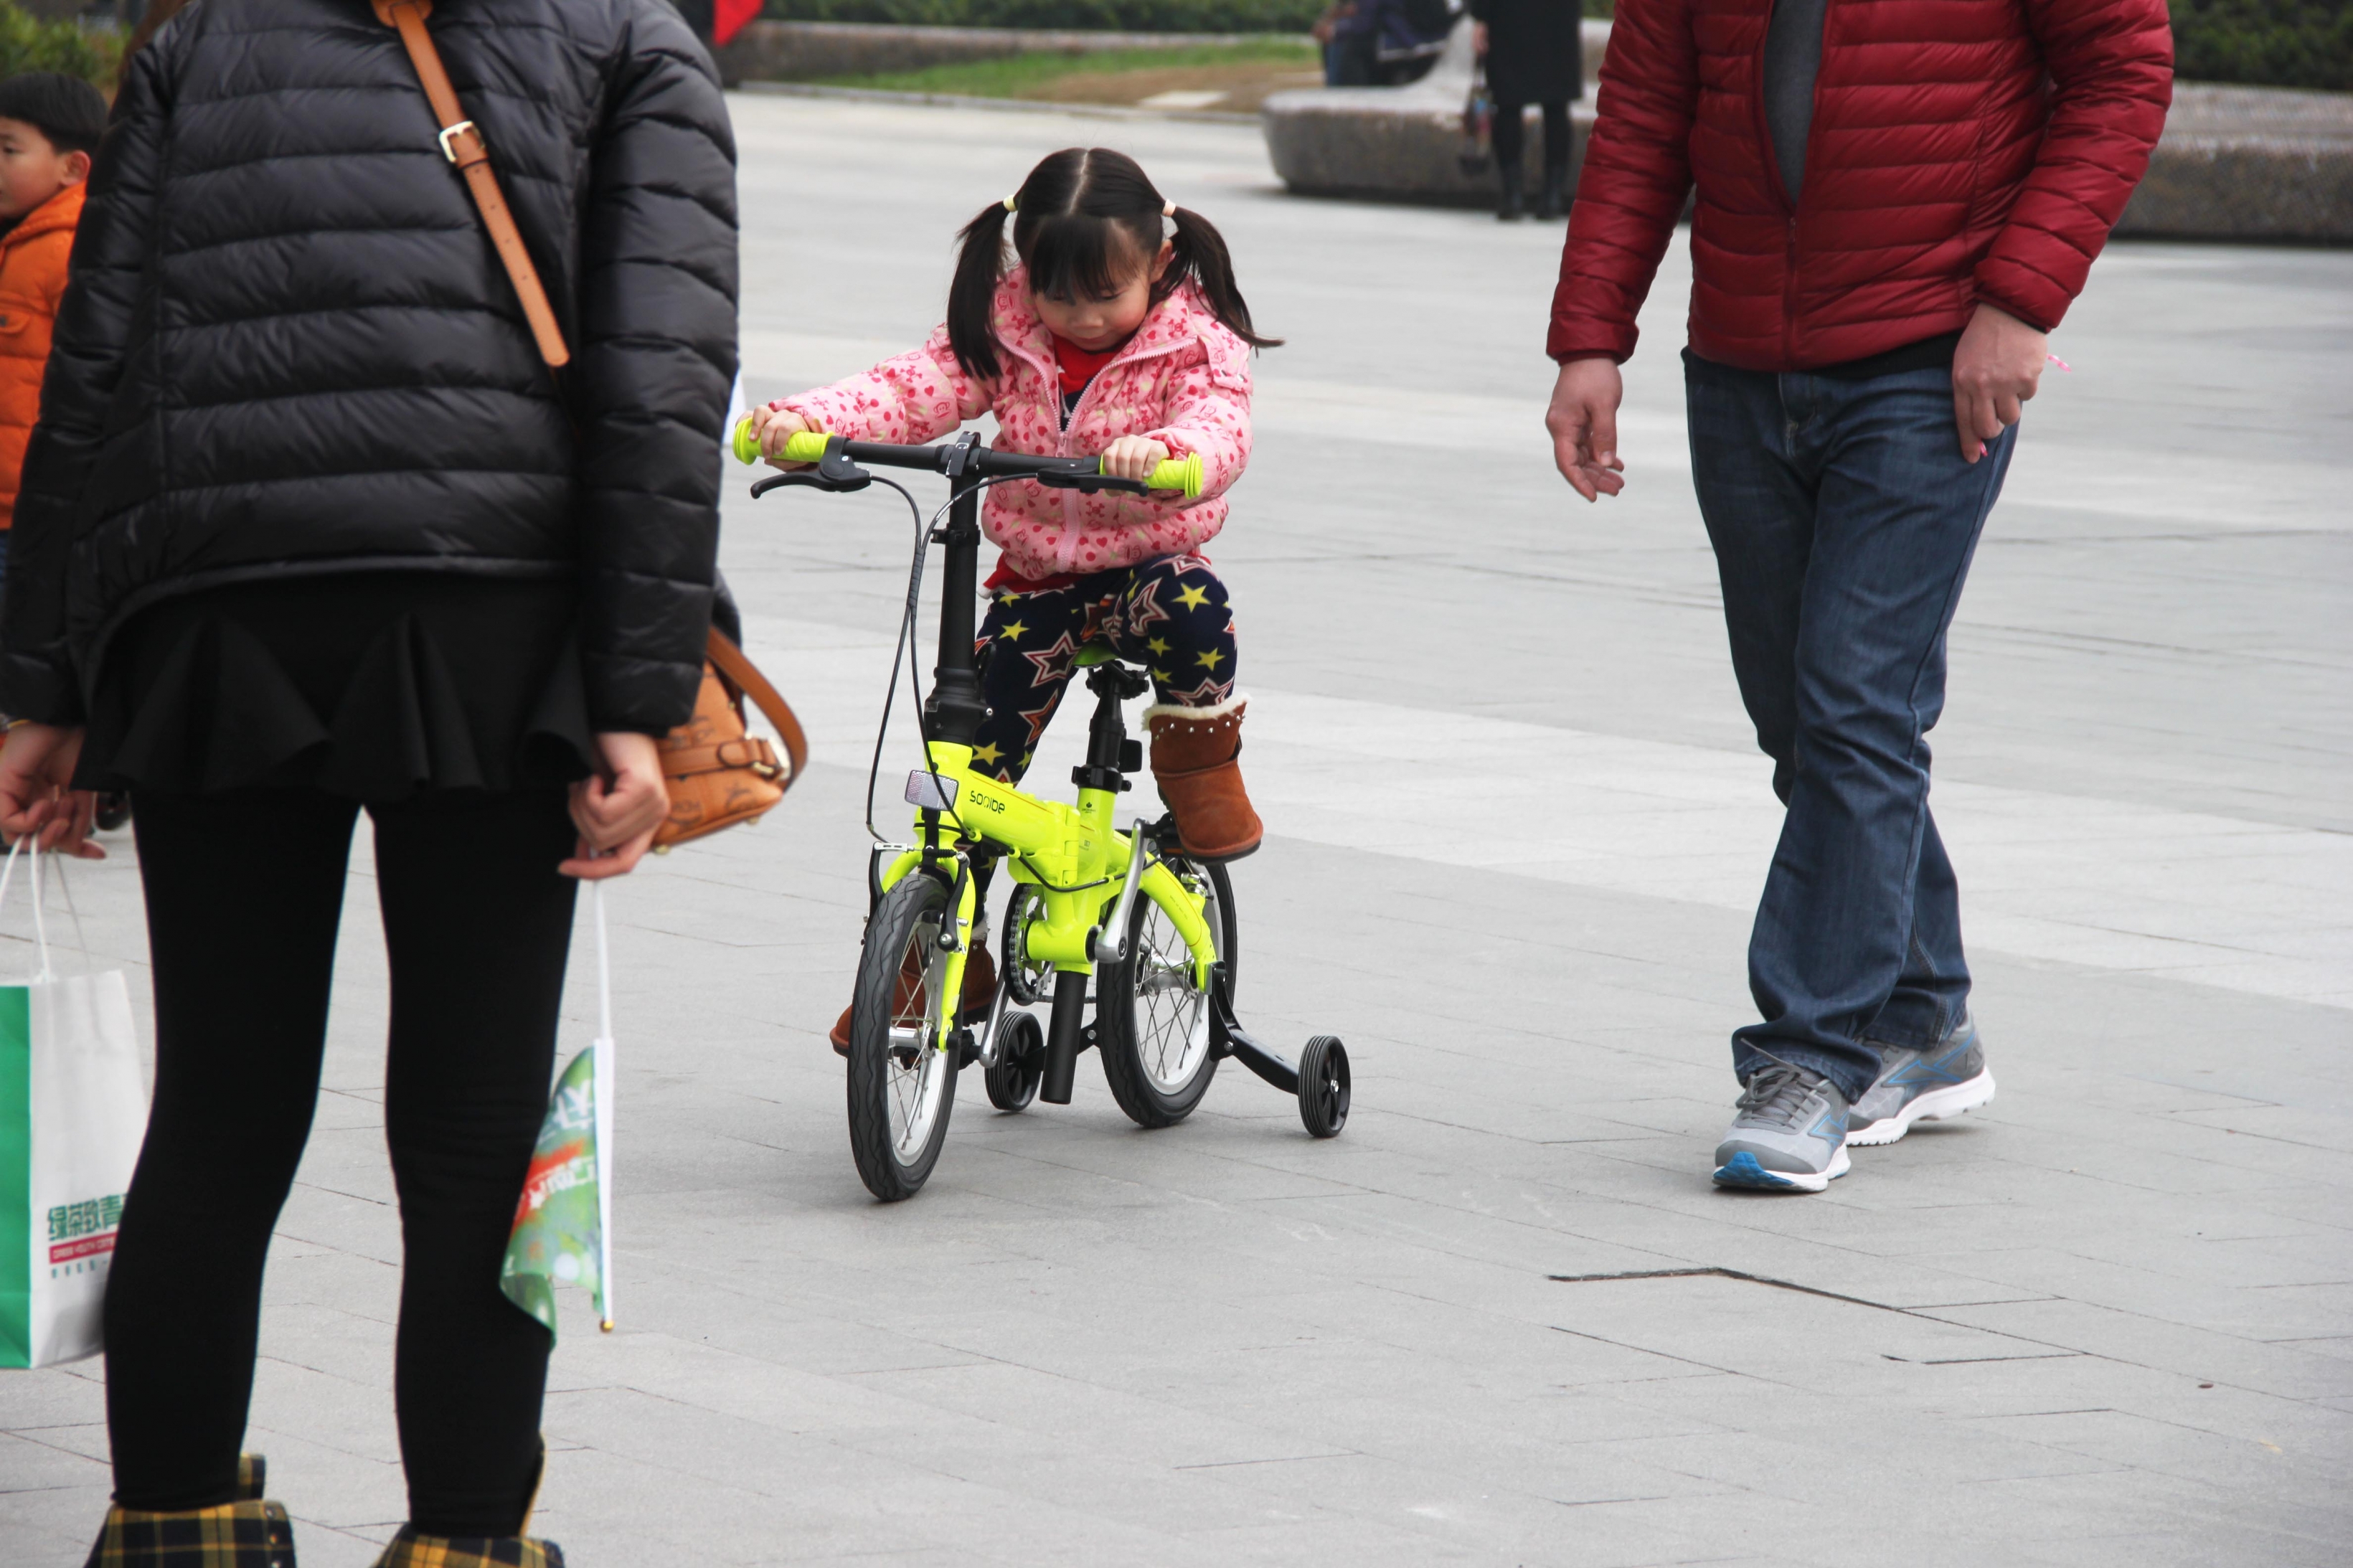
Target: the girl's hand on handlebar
pixel 1132 457
pixel 774 427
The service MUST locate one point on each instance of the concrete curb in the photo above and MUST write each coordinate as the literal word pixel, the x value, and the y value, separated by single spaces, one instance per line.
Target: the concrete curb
pixel 995 105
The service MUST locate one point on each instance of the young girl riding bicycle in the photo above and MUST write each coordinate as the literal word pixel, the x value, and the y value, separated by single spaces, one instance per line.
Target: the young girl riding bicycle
pixel 1118 331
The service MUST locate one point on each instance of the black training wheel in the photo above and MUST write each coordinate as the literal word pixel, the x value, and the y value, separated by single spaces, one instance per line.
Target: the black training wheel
pixel 1323 1086
pixel 1013 1082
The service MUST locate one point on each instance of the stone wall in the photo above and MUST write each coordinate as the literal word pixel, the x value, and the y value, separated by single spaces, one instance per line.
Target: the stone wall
pixel 2248 163
pixel 1405 143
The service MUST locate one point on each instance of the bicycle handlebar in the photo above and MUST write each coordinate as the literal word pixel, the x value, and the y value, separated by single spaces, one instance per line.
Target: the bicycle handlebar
pixel 1179 474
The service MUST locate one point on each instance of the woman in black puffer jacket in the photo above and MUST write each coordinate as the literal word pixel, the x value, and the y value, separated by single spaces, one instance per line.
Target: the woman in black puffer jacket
pixel 307 528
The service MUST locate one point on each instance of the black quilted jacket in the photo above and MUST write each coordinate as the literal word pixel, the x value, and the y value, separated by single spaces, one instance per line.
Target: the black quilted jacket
pixel 288 346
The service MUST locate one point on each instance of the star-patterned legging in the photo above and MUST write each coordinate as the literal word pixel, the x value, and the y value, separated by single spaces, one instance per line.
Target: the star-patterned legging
pixel 1168 615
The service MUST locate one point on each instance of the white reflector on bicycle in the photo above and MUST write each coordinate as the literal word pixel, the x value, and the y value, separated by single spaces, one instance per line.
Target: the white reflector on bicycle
pixel 930 790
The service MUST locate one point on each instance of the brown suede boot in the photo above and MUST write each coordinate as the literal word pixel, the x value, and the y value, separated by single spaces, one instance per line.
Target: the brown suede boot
pixel 1196 757
pixel 979 993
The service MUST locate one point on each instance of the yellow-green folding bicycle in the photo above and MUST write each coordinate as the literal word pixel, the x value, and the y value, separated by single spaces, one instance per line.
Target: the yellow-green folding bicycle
pixel 1124 921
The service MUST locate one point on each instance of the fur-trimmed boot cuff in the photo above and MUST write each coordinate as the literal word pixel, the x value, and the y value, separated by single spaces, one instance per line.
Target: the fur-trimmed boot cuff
pixel 410 1550
pixel 247 1533
pixel 1196 760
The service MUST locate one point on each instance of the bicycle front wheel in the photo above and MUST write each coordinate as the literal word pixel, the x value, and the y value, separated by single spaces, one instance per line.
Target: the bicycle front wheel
pixel 1152 1023
pixel 901 1086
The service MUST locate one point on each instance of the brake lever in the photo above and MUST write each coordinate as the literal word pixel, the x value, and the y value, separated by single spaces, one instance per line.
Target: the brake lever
pixel 835 474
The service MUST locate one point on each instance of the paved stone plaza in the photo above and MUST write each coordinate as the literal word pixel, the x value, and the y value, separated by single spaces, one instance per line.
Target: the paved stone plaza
pixel 1517 823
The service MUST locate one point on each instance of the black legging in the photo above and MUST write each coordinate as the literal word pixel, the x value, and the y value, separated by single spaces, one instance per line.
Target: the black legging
pixel 244 892
pixel 1510 129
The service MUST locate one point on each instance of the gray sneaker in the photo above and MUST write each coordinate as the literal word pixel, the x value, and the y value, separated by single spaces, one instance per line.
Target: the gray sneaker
pixel 1945 1079
pixel 1789 1135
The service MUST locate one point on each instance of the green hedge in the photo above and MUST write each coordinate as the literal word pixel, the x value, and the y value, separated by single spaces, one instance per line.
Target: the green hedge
pixel 1111 15
pixel 28 44
pixel 2268 43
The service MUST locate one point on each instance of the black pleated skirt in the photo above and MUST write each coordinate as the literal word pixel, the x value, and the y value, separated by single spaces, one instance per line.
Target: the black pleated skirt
pixel 374 684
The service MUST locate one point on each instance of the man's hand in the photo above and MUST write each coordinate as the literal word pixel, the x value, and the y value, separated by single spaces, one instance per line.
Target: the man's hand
pixel 1995 368
pixel 1583 420
pixel 36 763
pixel 617 811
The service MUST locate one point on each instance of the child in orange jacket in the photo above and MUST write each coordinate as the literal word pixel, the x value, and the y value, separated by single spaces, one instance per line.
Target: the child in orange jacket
pixel 50 126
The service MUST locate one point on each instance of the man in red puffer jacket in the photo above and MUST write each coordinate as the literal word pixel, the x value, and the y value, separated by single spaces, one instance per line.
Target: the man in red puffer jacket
pixel 1897 199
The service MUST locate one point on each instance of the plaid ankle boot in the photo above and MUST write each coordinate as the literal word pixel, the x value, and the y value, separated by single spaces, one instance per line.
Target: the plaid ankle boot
pixel 410 1550
pixel 249 1532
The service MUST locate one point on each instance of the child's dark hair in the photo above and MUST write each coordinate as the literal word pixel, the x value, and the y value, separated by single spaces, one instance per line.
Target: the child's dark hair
pixel 65 109
pixel 1083 221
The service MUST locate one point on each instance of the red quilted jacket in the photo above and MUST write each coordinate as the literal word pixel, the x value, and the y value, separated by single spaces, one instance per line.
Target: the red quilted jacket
pixel 1960 151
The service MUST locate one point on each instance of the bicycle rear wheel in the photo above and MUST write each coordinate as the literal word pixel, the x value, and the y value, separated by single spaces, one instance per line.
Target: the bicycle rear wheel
pixel 901 1086
pixel 1152 1023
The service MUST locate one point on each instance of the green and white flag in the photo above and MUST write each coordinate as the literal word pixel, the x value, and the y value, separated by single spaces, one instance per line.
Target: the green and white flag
pixel 564 1224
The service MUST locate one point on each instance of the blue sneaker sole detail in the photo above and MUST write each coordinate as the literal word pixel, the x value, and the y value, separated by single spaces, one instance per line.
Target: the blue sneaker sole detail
pixel 1744 1171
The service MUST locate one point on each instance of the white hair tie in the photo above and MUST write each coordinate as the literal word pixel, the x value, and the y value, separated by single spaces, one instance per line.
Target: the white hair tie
pixel 1009 201
pixel 1168 209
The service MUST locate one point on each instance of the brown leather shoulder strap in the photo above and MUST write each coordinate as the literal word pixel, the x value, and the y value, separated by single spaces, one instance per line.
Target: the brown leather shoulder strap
pixel 462 145
pixel 766 698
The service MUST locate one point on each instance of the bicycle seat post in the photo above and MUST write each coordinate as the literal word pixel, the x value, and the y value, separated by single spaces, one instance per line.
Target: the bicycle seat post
pixel 956 708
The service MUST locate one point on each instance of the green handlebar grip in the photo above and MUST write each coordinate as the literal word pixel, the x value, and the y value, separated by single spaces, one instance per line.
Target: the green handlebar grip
pixel 800 447
pixel 1177 474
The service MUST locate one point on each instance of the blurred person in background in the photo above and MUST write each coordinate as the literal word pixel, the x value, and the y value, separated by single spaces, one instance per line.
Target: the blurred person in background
pixel 1896 202
pixel 307 528
pixel 50 126
pixel 1534 52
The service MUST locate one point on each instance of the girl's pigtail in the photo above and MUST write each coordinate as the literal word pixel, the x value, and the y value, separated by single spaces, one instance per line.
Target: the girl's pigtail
pixel 972 297
pixel 1200 249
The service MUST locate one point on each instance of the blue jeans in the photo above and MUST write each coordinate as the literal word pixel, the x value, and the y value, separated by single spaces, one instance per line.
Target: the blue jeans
pixel 1843 520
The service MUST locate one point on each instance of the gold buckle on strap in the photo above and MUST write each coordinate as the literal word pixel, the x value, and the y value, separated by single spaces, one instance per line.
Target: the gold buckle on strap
pixel 457 130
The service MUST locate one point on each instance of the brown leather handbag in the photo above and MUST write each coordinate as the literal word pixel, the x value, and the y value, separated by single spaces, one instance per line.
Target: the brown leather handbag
pixel 718 773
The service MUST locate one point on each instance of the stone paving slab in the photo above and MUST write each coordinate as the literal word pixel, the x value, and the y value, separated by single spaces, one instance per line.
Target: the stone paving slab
pixel 2107 1321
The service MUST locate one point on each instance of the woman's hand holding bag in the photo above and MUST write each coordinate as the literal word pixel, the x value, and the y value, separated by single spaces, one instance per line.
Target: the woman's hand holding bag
pixel 618 809
pixel 36 767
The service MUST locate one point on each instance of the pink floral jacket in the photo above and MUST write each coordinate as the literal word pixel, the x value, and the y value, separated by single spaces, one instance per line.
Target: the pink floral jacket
pixel 1184 380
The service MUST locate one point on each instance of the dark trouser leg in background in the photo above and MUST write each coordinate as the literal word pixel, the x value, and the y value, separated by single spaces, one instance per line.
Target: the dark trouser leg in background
pixel 478 925
pixel 1843 520
pixel 1510 136
pixel 1556 148
pixel 244 894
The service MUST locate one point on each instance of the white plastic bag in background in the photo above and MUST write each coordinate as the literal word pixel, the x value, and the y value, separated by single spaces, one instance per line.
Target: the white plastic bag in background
pixel 73 1110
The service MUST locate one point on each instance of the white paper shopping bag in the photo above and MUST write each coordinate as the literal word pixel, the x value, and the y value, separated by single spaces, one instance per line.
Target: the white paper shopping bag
pixel 72 1113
